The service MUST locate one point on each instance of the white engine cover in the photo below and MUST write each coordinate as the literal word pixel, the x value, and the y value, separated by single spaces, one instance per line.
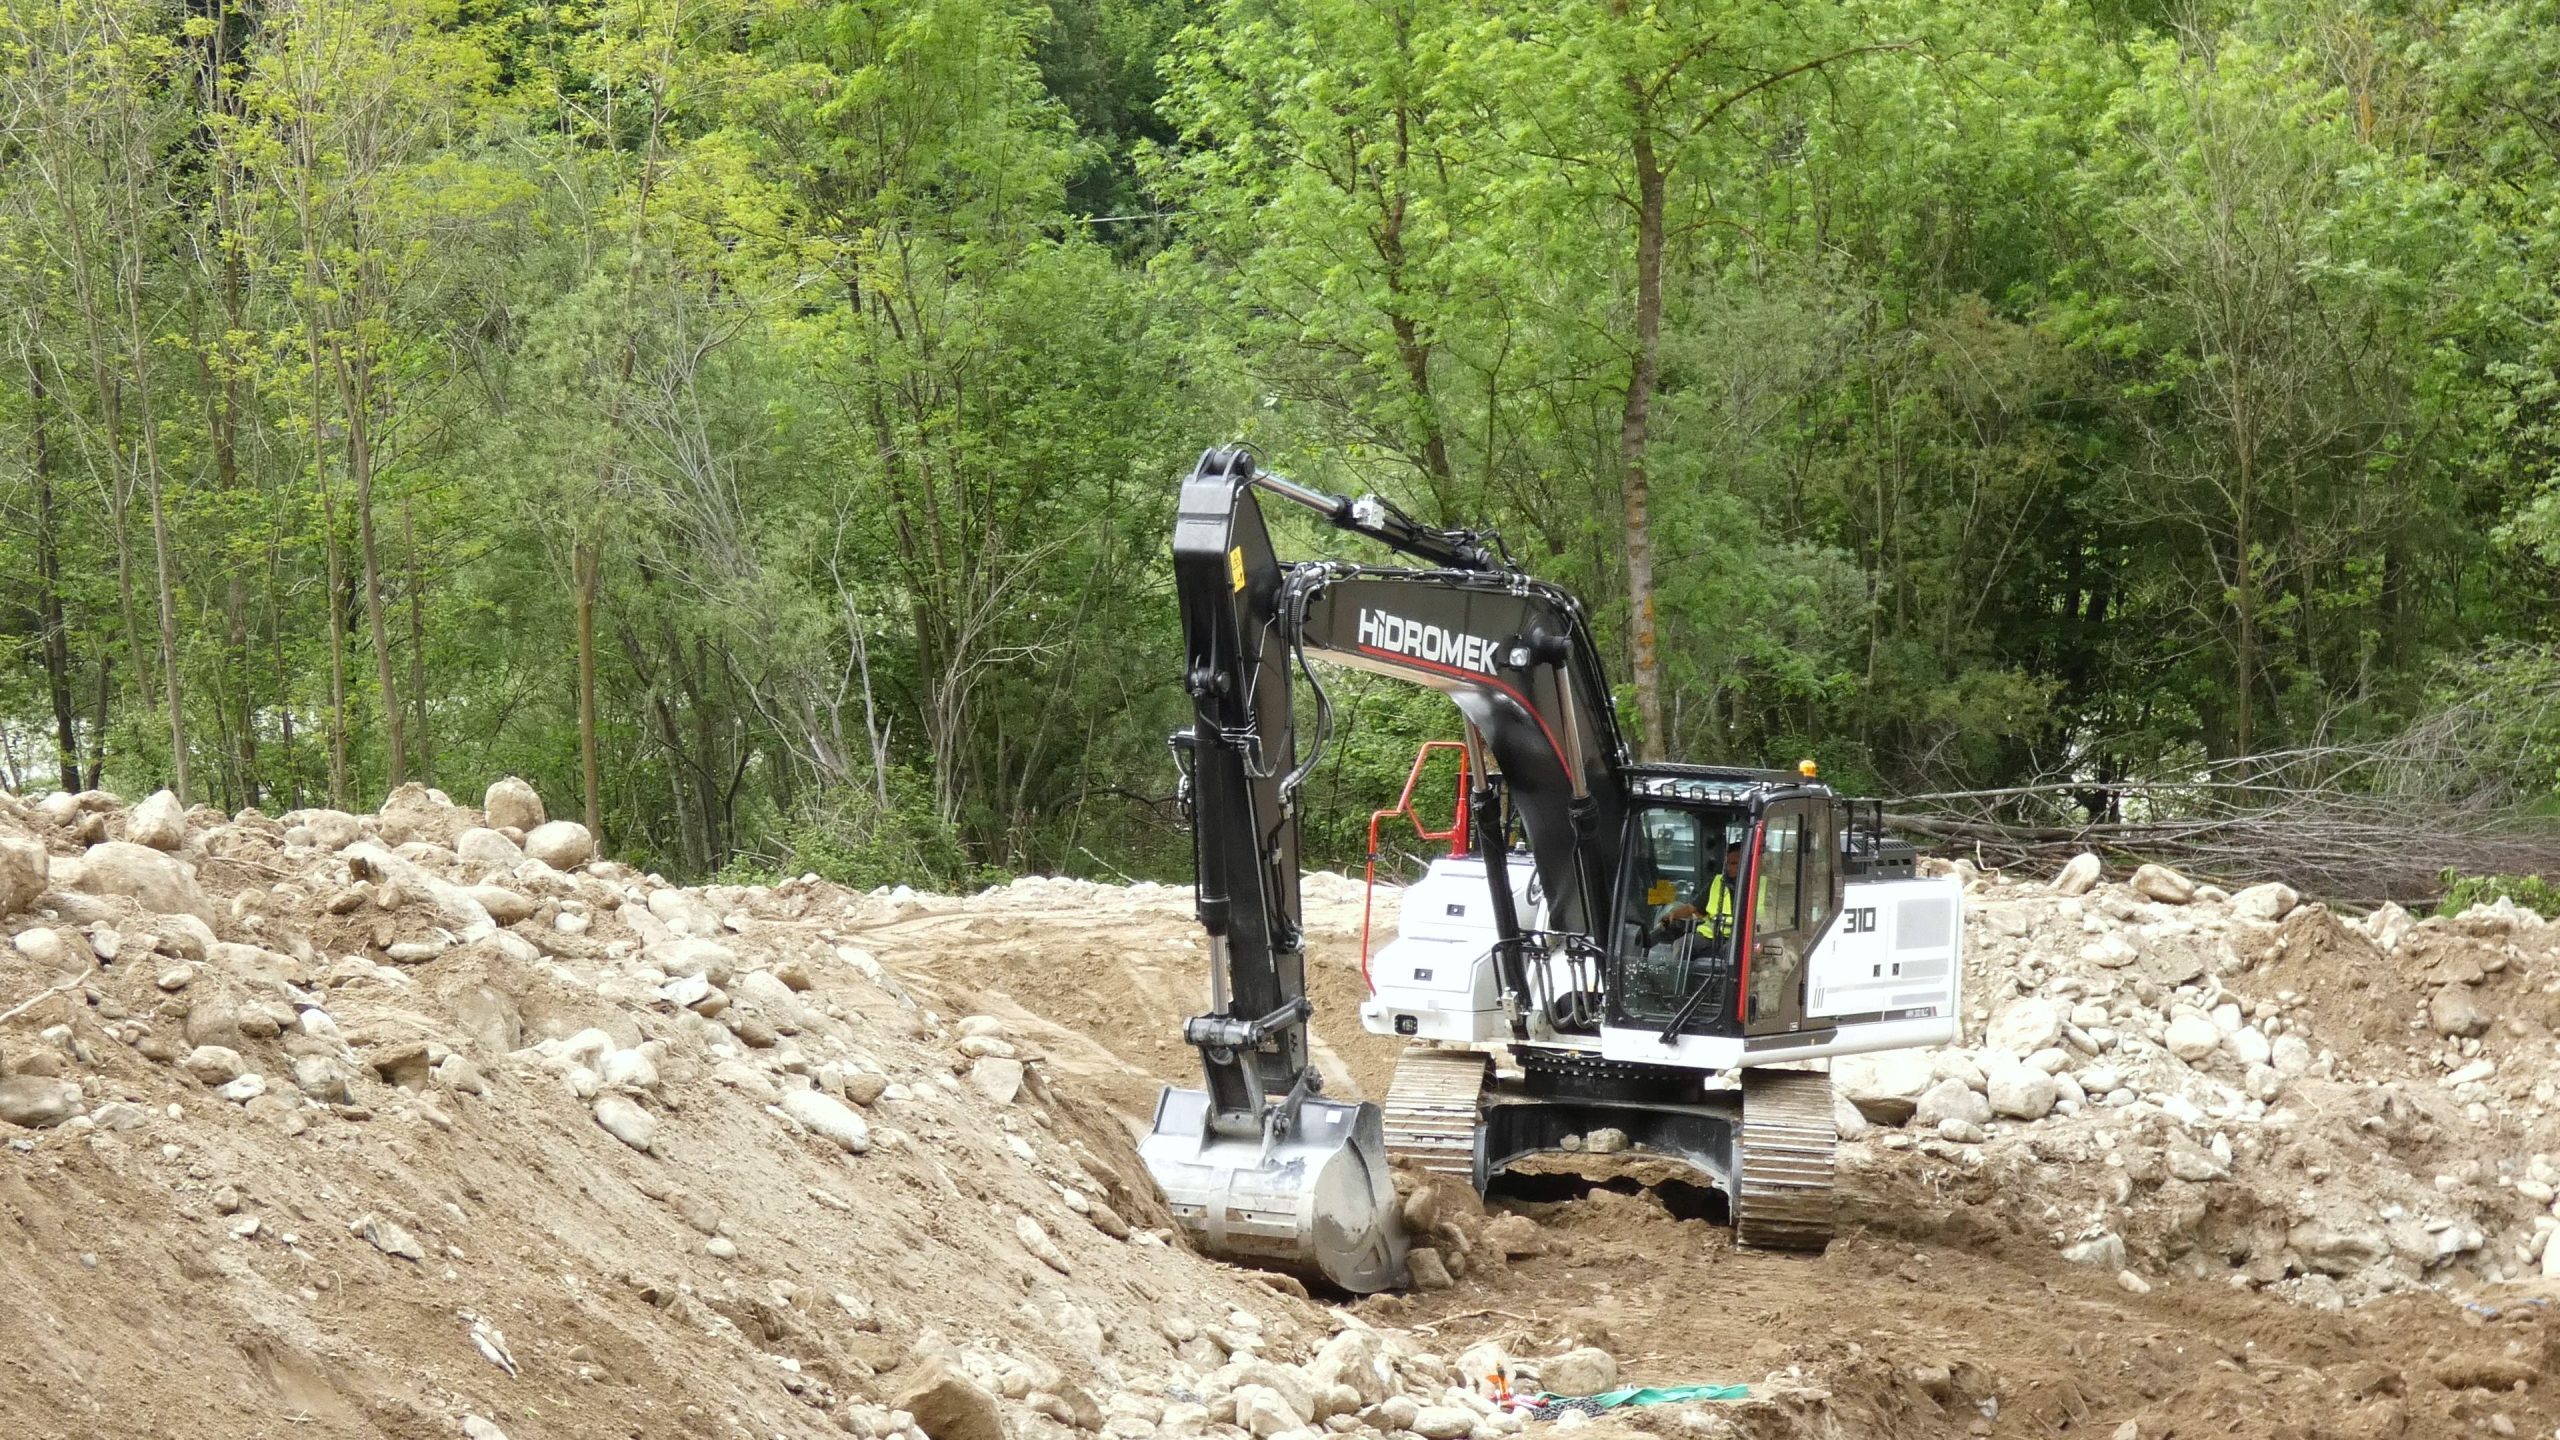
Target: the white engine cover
pixel 1435 980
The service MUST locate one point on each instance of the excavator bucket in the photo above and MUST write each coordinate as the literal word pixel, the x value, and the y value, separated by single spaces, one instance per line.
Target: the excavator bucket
pixel 1315 1200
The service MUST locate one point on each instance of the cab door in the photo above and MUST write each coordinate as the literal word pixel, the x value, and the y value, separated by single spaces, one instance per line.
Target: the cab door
pixel 1794 894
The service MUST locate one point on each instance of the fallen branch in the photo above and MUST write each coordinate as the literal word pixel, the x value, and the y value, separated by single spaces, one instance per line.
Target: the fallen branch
pixel 41 996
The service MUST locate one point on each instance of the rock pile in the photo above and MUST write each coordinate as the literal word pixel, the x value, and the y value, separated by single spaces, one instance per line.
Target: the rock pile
pixel 674 1154
pixel 2159 1075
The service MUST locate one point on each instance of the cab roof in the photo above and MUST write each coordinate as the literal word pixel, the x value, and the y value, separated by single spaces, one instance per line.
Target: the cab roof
pixel 1732 784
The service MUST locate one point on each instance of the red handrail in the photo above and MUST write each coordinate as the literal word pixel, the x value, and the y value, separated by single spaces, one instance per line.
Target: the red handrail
pixel 1455 834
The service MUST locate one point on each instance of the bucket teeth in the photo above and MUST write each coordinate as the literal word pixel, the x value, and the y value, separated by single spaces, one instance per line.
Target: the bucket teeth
pixel 1784 1198
pixel 1434 1107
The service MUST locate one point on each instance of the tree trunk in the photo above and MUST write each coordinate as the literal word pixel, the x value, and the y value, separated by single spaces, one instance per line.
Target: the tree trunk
pixel 355 398
pixel 1634 429
pixel 98 727
pixel 49 616
pixel 337 623
pixel 164 573
pixel 418 643
pixel 587 564
pixel 120 520
pixel 224 397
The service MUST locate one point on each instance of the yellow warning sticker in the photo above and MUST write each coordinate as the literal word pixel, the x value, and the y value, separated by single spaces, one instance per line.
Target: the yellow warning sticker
pixel 1662 893
pixel 1235 567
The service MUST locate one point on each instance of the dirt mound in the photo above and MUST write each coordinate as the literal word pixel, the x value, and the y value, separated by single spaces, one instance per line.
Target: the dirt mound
pixel 389 1125
pixel 408 1125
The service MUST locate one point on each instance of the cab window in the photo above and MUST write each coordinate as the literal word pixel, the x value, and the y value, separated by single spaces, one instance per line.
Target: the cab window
pixel 1821 864
pixel 1781 887
pixel 1675 917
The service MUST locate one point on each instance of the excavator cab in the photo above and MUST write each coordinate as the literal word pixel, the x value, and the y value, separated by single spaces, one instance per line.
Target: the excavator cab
pixel 1730 878
pixel 1674 928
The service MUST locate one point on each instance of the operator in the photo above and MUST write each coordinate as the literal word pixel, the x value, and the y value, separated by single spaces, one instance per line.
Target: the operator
pixel 1718 910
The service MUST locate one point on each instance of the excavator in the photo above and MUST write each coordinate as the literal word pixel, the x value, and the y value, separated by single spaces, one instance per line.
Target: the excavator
pixel 1613 956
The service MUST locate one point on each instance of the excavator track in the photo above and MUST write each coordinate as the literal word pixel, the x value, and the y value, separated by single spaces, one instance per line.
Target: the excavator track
pixel 1434 1105
pixel 1783 1198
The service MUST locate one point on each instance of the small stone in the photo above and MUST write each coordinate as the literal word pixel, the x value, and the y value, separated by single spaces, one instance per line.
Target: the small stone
pixel 512 804
pixel 505 906
pixel 1607 1140
pixel 1428 1270
pixel 2110 952
pixel 561 844
pixel 1443 1422
pixel 2159 882
pixel 1587 1370
pixel 176 978
pixel 1956 1065
pixel 2025 1026
pixel 623 1119
pixel 831 1119
pixel 1107 1220
pixel 243 1090
pixel 460 1076
pixel 2271 901
pixel 1884 1086
pixel 1036 1240
pixel 2193 1163
pixel 213 1064
pixel 486 851
pixel 998 1079
pixel 630 1069
pixel 2452 1013
pixel 720 1247
pixel 1952 1099
pixel 2477 1070
pixel 44 946
pixel 2022 1092
pixel 1515 1236
pixel 2192 1037
pixel 2131 1283
pixel 475 1428
pixel 323 1078
pixel 2105 1249
pixel 2078 875
pixel 948 1405
pixel 388 1236
pixel 2249 1046
pixel 159 822
pixel 26 868
pixel 38 1102
pixel 158 882
pixel 1260 1411
pixel 1846 1121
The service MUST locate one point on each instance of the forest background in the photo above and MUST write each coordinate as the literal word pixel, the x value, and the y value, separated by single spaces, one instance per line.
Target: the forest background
pixel 758 422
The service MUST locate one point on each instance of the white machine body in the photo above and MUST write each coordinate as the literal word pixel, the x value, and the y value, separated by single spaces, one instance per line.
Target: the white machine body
pixel 1435 980
pixel 1887 973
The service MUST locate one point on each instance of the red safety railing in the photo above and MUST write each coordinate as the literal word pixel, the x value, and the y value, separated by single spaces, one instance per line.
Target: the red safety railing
pixel 1455 833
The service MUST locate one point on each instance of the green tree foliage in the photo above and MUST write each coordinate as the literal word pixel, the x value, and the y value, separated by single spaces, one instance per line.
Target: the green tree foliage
pixel 758 424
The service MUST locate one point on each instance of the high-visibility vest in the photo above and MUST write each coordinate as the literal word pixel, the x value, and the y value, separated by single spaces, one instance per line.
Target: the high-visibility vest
pixel 1718 911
